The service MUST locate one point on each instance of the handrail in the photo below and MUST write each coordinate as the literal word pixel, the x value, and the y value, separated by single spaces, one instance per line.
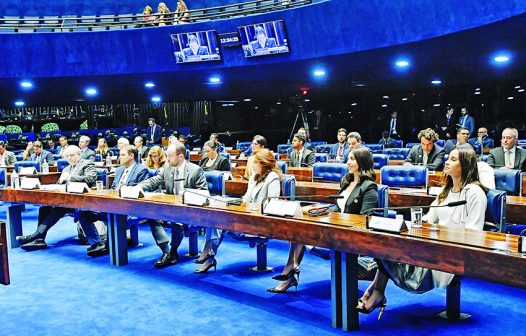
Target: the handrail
pixel 130 21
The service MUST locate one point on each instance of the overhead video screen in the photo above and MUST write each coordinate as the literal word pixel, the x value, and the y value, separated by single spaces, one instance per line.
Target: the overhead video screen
pixel 264 39
pixel 201 46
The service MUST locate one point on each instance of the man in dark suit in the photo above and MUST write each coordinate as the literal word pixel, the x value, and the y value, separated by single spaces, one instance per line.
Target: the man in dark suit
pixel 40 155
pixel 300 156
pixel 427 153
pixel 194 178
pixel 462 138
pixel 141 149
pixel 79 170
pixel 153 132
pixel 129 173
pixel 85 152
pixel 194 48
pixel 261 41
pixel 337 149
pixel 354 139
pixel 481 141
pixel 509 156
pixel 466 120
pixel 445 126
pixel 387 141
pixel 7 158
pixel 394 128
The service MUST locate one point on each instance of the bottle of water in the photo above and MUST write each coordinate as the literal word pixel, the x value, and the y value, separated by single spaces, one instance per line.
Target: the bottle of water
pixel 15 180
pixel 45 167
pixel 237 144
pixel 108 160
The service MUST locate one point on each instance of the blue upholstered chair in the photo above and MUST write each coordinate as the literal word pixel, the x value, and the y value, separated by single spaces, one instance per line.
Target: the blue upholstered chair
pixel 329 171
pixel 375 148
pixel 496 210
pixel 321 157
pixel 398 143
pixel 397 153
pixel 404 176
pixel 98 157
pixel 19 157
pixel 380 160
pixel 411 144
pixel 323 148
pixel 216 182
pixel 3 178
pixel 225 154
pixel 283 148
pixel 282 165
pixel 243 146
pixel 20 164
pixel 441 143
pixel 509 180
pixel 314 144
pixel 61 164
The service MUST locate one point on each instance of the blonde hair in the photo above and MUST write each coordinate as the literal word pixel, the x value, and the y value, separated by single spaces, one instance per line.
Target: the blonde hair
pixel 162 157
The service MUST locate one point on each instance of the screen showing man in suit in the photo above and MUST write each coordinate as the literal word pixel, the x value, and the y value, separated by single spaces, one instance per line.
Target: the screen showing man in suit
pixel 263 38
pixel 196 46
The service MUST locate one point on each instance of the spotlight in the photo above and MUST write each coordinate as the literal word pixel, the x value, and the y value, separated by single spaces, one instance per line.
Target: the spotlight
pixel 149 84
pixel 19 103
pixel 436 82
pixel 26 84
pixel 402 63
pixel 91 91
pixel 501 59
pixel 319 73
pixel 247 99
pixel 156 99
pixel 214 80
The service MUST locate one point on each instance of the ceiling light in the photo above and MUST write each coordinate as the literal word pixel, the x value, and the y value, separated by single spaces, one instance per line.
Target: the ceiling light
pixel 19 103
pixel 149 84
pixel 156 99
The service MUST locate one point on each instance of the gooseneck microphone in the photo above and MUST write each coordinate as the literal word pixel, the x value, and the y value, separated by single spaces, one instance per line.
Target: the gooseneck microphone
pixel 450 204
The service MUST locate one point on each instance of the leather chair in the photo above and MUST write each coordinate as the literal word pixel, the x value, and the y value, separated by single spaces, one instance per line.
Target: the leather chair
pixel 20 164
pixel 323 148
pixel 411 144
pixel 404 176
pixel 380 160
pixel 321 157
pixel 61 164
pixel 441 143
pixel 509 180
pixel 398 143
pixel 314 144
pixel 282 165
pixel 496 210
pixel 283 148
pixel 375 148
pixel 216 182
pixel 329 171
pixel 3 178
pixel 243 146
pixel 19 157
pixel 397 153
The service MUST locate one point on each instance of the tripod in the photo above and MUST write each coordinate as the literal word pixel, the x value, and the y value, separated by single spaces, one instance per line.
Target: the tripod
pixel 301 114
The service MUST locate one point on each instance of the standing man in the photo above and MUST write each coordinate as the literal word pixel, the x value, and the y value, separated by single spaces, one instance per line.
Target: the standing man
pixel 141 149
pixel 79 170
pixel 466 120
pixel 153 133
pixel 85 152
pixel 7 158
pixel 427 153
pixel 40 155
pixel 393 126
pixel 337 150
pixel 63 140
pixel 509 156
pixel 300 156
pixel 445 125
pixel 194 178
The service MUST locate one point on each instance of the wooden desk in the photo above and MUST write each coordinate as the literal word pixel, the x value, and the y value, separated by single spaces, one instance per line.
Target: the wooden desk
pixel 52 169
pixel 469 253
pixel 242 162
pixel 195 157
pixel 301 173
pixel 44 178
pixel 4 261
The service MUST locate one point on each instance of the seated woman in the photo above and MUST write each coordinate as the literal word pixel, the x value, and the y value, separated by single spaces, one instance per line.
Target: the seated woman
pixel 182 14
pixel 264 183
pixel 103 149
pixel 258 142
pixel 149 18
pixel 211 161
pixel 156 159
pixel 360 195
pixel 163 15
pixel 462 183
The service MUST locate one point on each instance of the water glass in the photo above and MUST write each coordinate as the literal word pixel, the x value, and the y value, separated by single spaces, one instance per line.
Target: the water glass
pixel 416 217
pixel 100 186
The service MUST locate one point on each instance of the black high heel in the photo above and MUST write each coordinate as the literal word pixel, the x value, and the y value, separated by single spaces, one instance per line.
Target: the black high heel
pixel 201 261
pixel 213 264
pixel 382 305
pixel 283 277
pixel 283 290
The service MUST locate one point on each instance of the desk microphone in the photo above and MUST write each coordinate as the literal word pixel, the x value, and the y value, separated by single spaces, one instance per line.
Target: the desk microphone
pixel 450 204
pixel 267 199
pixel 234 201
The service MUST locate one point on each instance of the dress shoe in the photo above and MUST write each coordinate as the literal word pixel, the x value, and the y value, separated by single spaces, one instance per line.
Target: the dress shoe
pixel 97 249
pixel 166 260
pixel 207 267
pixel 283 277
pixel 24 239
pixel 37 244
pixel 292 283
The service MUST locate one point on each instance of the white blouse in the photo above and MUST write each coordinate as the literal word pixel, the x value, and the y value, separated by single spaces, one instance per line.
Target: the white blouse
pixel 342 201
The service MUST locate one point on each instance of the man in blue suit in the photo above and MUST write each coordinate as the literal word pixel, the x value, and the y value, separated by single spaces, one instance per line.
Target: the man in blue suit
pixel 482 141
pixel 261 41
pixel 466 120
pixel 85 152
pixel 153 133
pixel 40 155
pixel 194 48
pixel 130 173
pixel 337 149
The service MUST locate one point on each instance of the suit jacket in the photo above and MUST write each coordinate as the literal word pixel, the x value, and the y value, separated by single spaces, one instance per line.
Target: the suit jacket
pixel 487 142
pixel 334 149
pixel 307 159
pixel 387 143
pixel 138 174
pixel 156 134
pixel 202 50
pixel 270 43
pixel 450 145
pixel 88 154
pixel 363 198
pixel 193 174
pixel 257 193
pixel 221 163
pixel 450 127
pixel 84 171
pixel 9 158
pixel 496 158
pixel 143 153
pixel 44 156
pixel 435 159
pixel 469 124
pixel 60 150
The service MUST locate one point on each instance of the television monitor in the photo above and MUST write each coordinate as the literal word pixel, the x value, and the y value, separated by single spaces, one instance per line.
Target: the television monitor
pixel 201 46
pixel 264 38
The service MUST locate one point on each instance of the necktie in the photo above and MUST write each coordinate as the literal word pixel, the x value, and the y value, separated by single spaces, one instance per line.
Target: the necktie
pixel 298 159
pixel 507 159
pixel 448 117
pixel 152 134
pixel 424 159
pixel 464 121
pixel 176 185
pixel 124 177
pixel 340 151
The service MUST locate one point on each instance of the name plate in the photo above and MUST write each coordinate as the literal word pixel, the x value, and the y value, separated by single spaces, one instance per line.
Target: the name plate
pixel 27 171
pixel 196 197
pixel 394 225
pixel 130 192
pixel 282 208
pixel 77 187
pixel 522 244
pixel 29 183
pixel 434 191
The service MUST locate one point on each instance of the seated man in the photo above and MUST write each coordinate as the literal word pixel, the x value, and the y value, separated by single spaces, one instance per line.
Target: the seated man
pixel 337 149
pixel 462 138
pixel 261 40
pixel 79 170
pixel 355 141
pixel 300 156
pixel 194 48
pixel 427 153
pixel 194 178
pixel 129 173
pixel 142 151
pixel 509 156
pixel 7 158
pixel 40 155
pixel 85 152
pixel 387 141
pixel 481 141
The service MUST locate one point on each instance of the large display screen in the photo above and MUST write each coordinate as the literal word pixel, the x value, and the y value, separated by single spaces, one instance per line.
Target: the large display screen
pixel 264 39
pixel 201 46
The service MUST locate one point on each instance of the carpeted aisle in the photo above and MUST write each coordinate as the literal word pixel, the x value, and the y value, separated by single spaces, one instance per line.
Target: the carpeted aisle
pixel 61 291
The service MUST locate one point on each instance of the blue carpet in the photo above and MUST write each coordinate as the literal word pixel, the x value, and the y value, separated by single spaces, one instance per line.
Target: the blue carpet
pixel 61 291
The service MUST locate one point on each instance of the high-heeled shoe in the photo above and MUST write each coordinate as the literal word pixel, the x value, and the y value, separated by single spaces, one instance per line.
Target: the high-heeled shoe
pixel 283 277
pixel 201 261
pixel 293 283
pixel 382 305
pixel 204 270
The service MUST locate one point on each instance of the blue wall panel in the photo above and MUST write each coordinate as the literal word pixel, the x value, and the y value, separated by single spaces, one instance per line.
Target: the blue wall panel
pixel 328 28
